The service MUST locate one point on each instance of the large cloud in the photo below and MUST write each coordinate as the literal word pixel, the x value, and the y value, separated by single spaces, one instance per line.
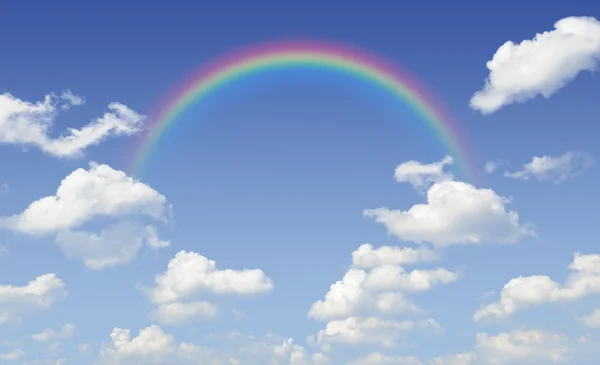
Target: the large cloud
pixel 543 65
pixel 556 169
pixel 525 292
pixel 455 213
pixel 103 194
pixel 28 124
pixel 38 294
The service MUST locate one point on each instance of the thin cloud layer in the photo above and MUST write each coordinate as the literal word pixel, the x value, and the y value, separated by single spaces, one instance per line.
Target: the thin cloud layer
pixel 38 294
pixel 541 66
pixel 555 169
pixel 29 124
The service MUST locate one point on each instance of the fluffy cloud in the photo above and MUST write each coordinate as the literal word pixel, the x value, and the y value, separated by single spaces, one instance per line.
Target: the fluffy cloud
pixel 87 196
pixel 371 330
pixel 154 346
pixel 381 359
pixel 420 175
pixel 83 195
pixel 543 65
pixel 379 290
pixel 180 313
pixel 455 213
pixel 367 257
pixel 38 294
pixel 190 273
pixel 525 292
pixel 67 331
pixel 28 124
pixel 555 169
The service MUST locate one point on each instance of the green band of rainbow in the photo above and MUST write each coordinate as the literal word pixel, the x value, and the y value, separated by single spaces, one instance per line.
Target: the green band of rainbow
pixel 294 54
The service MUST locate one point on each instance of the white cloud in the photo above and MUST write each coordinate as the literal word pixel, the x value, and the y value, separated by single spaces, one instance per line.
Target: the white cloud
pixel 381 359
pixel 117 245
pixel 393 277
pixel 367 257
pixel 359 292
pixel 29 124
pixel 180 313
pixel 13 355
pixel 522 347
pixel 556 169
pixel 38 294
pixel 47 335
pixel 152 346
pixel 371 330
pixel 524 292
pixel 455 213
pixel 88 196
pixel 518 347
pixel 190 273
pixel 83 195
pixel 420 175
pixel 153 240
pixel 541 66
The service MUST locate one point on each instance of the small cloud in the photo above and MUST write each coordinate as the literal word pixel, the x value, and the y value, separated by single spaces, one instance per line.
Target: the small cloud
pixel 491 166
pixel 238 315
pixel 4 189
pixel 556 169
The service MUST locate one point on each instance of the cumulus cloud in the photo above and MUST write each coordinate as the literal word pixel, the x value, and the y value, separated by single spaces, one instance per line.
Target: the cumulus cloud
pixel 556 169
pixel 367 257
pixel 379 290
pixel 524 292
pixel 38 294
pixel 180 313
pixel 190 273
pixel 154 346
pixel 455 213
pixel 29 124
pixel 100 193
pixel 371 330
pixel 541 66
pixel 83 195
pixel 421 175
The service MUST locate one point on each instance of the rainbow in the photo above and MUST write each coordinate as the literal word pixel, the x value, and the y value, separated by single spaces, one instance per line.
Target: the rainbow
pixel 264 57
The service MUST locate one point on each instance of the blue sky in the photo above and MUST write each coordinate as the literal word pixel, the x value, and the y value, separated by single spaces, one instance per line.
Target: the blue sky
pixel 244 241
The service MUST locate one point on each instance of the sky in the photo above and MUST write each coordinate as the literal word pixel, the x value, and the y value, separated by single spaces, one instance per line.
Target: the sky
pixel 299 216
